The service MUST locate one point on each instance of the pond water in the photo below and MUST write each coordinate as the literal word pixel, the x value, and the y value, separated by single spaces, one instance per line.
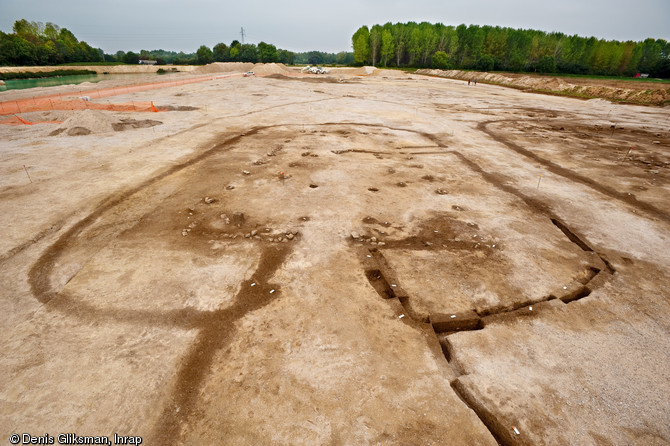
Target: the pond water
pixel 20 84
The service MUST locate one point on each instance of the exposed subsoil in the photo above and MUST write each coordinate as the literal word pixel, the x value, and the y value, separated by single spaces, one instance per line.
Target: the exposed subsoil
pixel 387 260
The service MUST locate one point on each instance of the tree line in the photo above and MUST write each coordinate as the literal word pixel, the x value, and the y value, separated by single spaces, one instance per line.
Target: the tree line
pixel 235 52
pixel 35 43
pixel 494 48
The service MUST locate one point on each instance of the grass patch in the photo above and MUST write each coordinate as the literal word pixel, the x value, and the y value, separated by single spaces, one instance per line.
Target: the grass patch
pixel 43 74
pixel 91 64
pixel 606 78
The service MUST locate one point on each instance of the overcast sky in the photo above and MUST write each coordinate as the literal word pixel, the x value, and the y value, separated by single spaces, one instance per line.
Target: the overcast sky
pixel 304 25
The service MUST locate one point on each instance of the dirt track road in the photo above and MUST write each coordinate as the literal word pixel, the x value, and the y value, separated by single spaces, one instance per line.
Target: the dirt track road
pixel 386 259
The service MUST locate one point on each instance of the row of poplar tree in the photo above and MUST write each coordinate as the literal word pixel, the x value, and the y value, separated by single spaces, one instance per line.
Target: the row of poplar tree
pixel 490 48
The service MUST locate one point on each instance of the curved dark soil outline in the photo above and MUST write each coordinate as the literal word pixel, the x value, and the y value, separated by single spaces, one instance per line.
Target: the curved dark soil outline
pixel 570 174
pixel 217 326
pixel 58 225
pixel 38 276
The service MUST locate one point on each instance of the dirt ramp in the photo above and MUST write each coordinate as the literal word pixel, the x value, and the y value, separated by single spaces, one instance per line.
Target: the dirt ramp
pixel 365 71
pixel 224 67
pixel 617 90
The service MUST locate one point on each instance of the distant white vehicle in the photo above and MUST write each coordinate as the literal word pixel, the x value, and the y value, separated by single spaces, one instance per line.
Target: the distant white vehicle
pixel 248 73
pixel 314 70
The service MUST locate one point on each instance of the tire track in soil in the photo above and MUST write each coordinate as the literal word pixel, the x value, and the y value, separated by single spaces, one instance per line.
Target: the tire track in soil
pixel 570 174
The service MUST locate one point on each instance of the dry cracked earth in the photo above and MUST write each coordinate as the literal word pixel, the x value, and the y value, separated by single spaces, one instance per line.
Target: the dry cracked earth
pixel 390 259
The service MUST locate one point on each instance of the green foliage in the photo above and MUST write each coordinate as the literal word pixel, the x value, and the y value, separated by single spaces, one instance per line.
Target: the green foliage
pixel 221 52
pixel 43 74
pixel 33 43
pixel 131 58
pixel 234 52
pixel 485 63
pixel 94 64
pixel 321 58
pixel 248 53
pixel 387 46
pixel 286 57
pixel 441 60
pixel 161 57
pixel 361 44
pixel 662 69
pixel 315 58
pixel 494 48
pixel 547 64
pixel 267 53
pixel 375 43
pixel 344 58
pixel 204 55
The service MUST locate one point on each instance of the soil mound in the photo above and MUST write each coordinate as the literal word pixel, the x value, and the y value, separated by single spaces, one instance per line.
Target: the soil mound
pixel 390 73
pixel 224 67
pixel 127 124
pixel 81 122
pixel 269 68
pixel 86 122
pixel 242 67
pixel 364 71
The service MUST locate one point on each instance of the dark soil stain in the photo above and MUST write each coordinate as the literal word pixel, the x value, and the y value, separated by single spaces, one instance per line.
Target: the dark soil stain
pixel 216 331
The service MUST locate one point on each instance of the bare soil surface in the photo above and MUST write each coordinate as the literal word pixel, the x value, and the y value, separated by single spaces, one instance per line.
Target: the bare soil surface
pixel 367 257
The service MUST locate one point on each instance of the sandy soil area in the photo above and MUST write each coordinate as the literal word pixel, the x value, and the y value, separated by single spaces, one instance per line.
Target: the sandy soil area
pixel 368 257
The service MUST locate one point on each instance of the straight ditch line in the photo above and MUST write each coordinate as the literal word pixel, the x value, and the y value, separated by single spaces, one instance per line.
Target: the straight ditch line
pixel 571 175
pixel 384 280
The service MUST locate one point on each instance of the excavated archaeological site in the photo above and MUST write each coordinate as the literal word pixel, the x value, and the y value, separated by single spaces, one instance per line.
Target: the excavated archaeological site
pixel 362 257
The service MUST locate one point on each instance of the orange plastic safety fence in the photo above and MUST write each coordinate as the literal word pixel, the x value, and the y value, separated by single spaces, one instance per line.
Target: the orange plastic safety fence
pixel 65 102
pixel 34 105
